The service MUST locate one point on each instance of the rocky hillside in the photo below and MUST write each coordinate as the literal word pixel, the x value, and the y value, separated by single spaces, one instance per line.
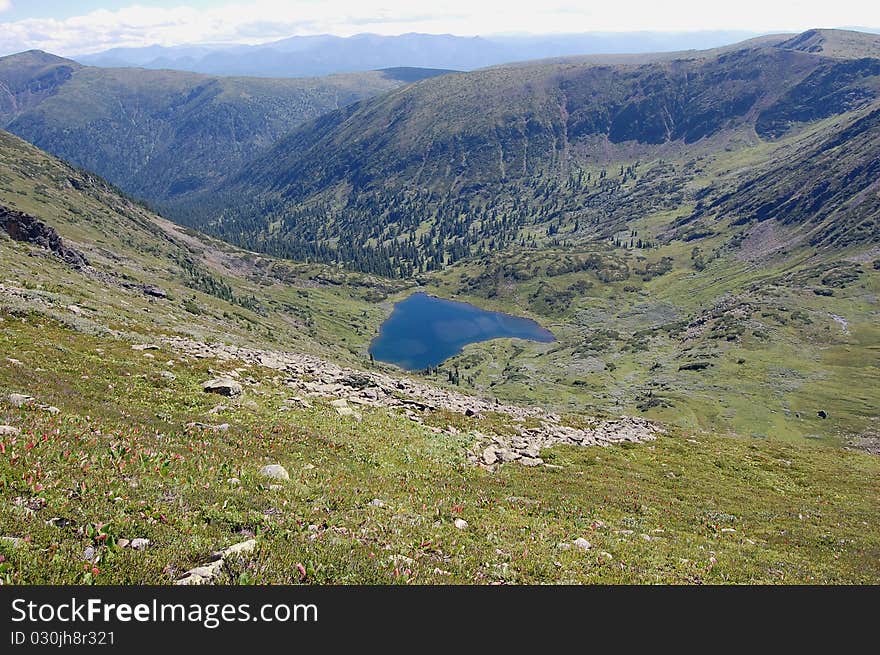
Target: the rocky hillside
pixel 829 187
pixel 160 134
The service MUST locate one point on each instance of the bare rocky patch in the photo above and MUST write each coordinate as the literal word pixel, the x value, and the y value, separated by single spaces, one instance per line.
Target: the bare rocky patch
pixel 528 429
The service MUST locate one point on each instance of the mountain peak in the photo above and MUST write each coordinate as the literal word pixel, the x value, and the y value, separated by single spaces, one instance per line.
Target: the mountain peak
pixel 835 43
pixel 36 57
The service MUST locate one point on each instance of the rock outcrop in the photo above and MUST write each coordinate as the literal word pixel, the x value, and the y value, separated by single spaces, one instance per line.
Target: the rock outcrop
pixel 23 227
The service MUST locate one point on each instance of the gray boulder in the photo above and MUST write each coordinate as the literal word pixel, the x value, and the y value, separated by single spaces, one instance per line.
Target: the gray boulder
pixel 275 471
pixel 222 386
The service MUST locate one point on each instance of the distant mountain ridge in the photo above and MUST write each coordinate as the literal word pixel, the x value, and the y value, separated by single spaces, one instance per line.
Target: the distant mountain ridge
pixel 301 56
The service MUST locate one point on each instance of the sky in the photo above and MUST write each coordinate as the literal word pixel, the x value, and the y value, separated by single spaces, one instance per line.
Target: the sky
pixel 71 27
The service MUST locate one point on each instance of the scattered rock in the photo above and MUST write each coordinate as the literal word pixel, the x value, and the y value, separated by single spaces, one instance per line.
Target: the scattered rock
pixel 234 482
pixel 123 543
pixel 223 386
pixel 9 431
pixel 168 375
pixel 202 575
pixel 582 543
pixel 19 399
pixel 89 554
pixel 822 413
pixel 51 409
pixel 223 427
pixel 208 573
pixel 243 548
pixel 461 524
pixel 140 543
pixel 12 542
pixel 275 471
pixel 145 346
pixel 535 428
pixel 154 291
pixel 376 502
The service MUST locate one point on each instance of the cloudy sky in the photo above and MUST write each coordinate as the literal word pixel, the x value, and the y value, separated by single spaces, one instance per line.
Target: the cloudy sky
pixel 69 27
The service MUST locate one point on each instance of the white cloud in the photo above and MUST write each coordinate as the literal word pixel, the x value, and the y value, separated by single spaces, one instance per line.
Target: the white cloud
pixel 4 5
pixel 263 20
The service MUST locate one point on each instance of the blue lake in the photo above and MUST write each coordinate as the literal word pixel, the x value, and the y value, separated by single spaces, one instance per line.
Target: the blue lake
pixel 423 331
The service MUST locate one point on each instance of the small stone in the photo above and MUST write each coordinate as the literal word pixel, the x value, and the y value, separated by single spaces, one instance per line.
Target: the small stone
pixel 582 543
pixel 145 346
pixel 376 502
pixel 489 456
pixel 122 543
pixel 89 553
pixel 531 461
pixel 348 411
pixel 19 399
pixel 140 543
pixel 222 386
pixel 461 524
pixel 507 455
pixel 233 482
pixel 168 375
pixel 563 546
pixel 239 549
pixel 13 542
pixel 9 431
pixel 275 471
pixel 52 410
pixel 340 402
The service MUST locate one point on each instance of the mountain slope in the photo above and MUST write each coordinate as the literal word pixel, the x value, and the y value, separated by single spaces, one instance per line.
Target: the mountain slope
pixel 428 174
pixel 830 186
pixel 160 134
pixel 109 434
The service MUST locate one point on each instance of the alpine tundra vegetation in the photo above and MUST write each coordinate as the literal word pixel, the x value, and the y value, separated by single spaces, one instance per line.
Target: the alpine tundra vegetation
pixel 187 393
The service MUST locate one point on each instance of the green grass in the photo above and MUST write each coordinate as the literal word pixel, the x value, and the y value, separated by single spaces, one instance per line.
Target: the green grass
pixel 119 462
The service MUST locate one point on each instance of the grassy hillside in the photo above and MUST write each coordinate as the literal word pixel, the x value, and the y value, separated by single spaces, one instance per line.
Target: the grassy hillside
pixel 161 134
pixel 376 501
pixel 457 165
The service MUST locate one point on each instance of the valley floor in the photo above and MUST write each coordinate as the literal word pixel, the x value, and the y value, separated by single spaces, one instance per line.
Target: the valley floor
pixel 137 450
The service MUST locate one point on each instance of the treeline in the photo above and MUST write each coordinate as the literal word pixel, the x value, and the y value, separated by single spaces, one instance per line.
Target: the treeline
pixel 403 232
